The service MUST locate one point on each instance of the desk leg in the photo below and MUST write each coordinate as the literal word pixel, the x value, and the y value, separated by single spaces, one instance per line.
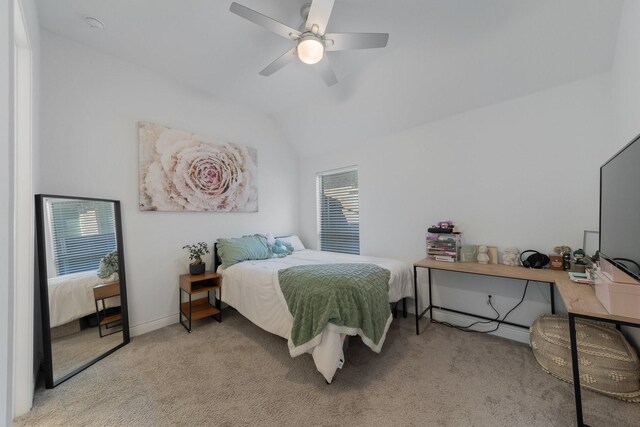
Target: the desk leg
pixel 430 300
pixel 575 367
pixel 415 297
pixel 553 299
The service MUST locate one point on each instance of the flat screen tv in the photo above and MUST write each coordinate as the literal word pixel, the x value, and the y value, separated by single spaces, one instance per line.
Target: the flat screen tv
pixel 620 209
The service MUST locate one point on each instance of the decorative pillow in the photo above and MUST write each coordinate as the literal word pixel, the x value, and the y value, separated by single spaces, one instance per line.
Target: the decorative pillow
pixel 294 240
pixel 287 245
pixel 281 249
pixel 608 364
pixel 233 251
pixel 108 265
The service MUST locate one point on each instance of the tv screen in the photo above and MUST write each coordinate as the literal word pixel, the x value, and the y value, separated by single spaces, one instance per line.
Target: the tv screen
pixel 620 208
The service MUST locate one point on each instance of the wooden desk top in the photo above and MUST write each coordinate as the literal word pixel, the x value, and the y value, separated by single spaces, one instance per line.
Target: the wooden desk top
pixel 578 298
pixel 581 299
pixel 498 270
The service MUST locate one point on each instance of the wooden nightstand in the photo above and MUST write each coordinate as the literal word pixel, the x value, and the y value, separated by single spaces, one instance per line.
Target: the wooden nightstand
pixel 200 308
pixel 101 293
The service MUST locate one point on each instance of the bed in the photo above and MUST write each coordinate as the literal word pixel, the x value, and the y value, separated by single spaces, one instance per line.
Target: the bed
pixel 71 296
pixel 252 288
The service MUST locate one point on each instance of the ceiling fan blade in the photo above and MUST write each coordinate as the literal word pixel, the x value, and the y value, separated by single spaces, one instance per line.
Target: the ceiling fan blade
pixel 319 14
pixel 348 41
pixel 264 21
pixel 326 72
pixel 287 57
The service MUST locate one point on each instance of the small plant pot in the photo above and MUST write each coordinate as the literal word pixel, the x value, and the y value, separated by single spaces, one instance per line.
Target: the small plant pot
pixel 197 268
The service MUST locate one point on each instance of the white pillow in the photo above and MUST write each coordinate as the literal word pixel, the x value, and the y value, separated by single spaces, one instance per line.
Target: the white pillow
pixel 295 242
pixel 270 239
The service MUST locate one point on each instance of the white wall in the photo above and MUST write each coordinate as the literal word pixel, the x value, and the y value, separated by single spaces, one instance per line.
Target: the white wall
pixel 522 173
pixel 6 211
pixel 26 119
pixel 92 103
pixel 625 76
pixel 625 82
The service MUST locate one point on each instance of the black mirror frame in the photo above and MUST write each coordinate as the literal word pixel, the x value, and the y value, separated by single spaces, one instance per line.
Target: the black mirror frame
pixel 44 287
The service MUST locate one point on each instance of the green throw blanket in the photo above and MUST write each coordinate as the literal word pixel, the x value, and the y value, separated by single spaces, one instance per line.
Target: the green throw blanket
pixel 352 297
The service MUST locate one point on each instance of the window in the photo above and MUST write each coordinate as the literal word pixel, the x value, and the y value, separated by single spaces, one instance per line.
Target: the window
pixel 339 211
pixel 82 233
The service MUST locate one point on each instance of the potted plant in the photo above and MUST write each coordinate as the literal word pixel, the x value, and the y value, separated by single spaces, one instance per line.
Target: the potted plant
pixel 195 255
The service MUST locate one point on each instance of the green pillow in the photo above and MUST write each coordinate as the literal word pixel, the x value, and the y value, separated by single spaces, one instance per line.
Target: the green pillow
pixel 233 251
pixel 108 265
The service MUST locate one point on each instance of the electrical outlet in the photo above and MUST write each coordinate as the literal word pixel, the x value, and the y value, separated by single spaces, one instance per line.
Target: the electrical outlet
pixel 489 299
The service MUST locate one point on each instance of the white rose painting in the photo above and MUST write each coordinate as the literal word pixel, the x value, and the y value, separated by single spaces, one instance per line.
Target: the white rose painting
pixel 180 171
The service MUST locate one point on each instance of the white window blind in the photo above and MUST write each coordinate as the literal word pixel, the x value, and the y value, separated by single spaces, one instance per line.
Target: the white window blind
pixel 339 212
pixel 83 232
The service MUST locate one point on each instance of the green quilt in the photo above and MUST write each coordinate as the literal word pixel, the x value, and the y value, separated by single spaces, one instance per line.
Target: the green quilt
pixel 352 297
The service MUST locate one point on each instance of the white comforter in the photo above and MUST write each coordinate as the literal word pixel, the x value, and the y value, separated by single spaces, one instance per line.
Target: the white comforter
pixel 71 296
pixel 252 288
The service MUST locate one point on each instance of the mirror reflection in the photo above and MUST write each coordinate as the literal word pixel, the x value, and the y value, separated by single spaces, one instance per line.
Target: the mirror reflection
pixel 83 282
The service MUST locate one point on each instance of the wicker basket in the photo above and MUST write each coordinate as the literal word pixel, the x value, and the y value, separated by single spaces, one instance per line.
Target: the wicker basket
pixel 608 363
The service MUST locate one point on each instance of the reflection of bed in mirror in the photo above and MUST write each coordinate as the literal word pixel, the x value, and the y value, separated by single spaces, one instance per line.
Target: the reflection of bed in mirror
pixel 75 321
pixel 82 283
pixel 71 296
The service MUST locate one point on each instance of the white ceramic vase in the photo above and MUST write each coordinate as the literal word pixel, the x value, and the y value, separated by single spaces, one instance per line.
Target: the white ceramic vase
pixel 483 256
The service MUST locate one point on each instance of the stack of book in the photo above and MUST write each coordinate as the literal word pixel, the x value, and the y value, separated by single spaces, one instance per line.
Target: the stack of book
pixel 444 247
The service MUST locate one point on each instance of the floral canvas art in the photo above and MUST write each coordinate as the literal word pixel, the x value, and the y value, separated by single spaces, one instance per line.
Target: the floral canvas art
pixel 180 171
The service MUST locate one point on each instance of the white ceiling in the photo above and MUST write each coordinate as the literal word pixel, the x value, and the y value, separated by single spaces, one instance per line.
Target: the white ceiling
pixel 444 56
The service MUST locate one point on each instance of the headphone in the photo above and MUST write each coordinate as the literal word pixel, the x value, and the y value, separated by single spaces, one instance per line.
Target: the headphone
pixel 535 260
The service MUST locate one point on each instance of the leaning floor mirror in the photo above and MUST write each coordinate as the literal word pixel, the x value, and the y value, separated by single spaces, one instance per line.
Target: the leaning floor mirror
pixel 83 299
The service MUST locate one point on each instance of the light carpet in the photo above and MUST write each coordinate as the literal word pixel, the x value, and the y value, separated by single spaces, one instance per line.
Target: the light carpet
pixel 234 373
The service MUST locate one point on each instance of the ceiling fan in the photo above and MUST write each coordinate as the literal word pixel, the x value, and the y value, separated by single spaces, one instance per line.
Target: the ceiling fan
pixel 311 40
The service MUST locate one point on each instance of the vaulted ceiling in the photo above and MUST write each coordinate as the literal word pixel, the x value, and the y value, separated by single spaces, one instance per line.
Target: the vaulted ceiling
pixel 444 56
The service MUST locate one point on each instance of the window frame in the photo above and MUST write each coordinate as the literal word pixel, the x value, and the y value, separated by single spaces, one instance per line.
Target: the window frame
pixel 319 178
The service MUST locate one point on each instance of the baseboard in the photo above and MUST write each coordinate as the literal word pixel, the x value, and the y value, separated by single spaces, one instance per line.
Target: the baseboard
pixel 505 331
pixel 153 325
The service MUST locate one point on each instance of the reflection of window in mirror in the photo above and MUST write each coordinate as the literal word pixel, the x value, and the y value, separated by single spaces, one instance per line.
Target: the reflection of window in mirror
pixel 81 233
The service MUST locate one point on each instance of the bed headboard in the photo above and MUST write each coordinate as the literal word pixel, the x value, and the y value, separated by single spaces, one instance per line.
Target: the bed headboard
pixel 216 258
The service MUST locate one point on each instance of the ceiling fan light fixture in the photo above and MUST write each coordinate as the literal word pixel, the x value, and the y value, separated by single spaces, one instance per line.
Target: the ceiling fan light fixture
pixel 311 38
pixel 310 49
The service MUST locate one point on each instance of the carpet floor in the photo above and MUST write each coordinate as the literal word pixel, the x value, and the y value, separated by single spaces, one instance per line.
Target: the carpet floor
pixel 234 373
